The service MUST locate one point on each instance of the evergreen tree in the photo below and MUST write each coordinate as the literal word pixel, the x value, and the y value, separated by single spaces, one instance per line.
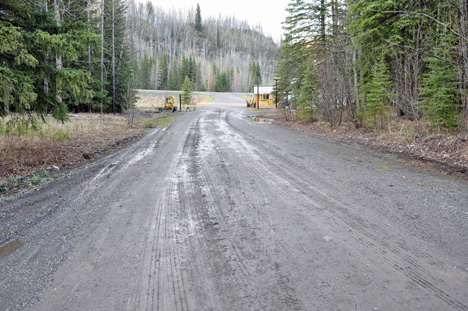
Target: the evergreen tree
pixel 33 77
pixel 192 69
pixel 258 74
pixel 184 71
pixel 439 88
pixel 54 67
pixel 255 73
pixel 164 71
pixel 17 91
pixel 290 66
pixel 174 80
pixel 378 92
pixel 218 37
pixel 223 81
pixel 214 77
pixel 145 72
pixel 187 88
pixel 198 19
pixel 309 91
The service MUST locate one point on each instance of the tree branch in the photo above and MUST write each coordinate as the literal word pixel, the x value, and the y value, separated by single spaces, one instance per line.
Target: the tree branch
pixel 425 15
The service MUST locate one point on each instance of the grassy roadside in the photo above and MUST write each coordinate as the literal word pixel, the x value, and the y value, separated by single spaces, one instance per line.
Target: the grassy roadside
pixel 150 100
pixel 31 158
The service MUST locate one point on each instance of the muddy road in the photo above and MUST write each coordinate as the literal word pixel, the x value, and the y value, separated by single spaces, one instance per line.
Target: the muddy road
pixel 218 212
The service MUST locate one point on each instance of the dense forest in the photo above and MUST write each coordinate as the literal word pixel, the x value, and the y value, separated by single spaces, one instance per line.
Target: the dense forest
pixel 59 56
pixel 361 59
pixel 217 54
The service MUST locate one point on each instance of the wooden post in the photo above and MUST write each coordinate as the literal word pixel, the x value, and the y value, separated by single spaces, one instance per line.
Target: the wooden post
pixel 276 94
pixel 180 102
pixel 258 95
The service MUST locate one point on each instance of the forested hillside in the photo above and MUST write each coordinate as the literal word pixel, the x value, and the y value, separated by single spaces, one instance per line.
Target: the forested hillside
pixel 217 54
pixel 89 55
pixel 362 59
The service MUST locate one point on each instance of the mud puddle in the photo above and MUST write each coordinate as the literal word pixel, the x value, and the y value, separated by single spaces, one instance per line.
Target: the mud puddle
pixel 10 247
pixel 260 120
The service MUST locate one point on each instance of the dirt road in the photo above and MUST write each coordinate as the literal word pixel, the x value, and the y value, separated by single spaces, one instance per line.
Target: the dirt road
pixel 218 212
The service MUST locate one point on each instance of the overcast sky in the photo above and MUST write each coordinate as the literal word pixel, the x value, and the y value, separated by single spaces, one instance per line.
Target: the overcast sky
pixel 269 14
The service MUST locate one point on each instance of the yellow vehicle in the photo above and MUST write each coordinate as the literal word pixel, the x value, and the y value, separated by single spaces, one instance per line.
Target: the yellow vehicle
pixel 169 102
pixel 265 99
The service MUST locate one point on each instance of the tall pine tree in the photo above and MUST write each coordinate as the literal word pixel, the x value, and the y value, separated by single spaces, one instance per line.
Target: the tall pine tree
pixel 439 87
pixel 378 92
pixel 198 19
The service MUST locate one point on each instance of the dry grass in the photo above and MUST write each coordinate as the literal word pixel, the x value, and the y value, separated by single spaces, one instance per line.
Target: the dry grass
pixel 60 144
pixel 150 100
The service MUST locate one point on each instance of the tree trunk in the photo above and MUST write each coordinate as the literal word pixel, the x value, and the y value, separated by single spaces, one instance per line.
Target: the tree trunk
pixel 323 12
pixel 58 57
pixel 113 56
pixel 7 99
pixel 46 80
pixel 102 56
pixel 355 78
pixel 88 9
pixel 464 56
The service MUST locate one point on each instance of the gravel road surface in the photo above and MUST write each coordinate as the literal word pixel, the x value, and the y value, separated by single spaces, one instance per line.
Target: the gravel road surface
pixel 219 212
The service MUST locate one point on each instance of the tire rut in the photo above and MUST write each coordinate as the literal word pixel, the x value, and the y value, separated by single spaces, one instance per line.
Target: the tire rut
pixel 229 218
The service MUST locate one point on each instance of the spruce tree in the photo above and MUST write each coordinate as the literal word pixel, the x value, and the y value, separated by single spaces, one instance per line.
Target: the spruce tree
pixel 174 80
pixel 439 87
pixel 145 72
pixel 187 88
pixel 378 92
pixel 33 78
pixel 218 37
pixel 17 91
pixel 223 81
pixel 184 70
pixel 164 71
pixel 309 91
pixel 198 19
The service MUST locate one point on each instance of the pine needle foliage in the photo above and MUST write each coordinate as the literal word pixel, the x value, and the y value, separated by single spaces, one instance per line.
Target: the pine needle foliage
pixel 48 58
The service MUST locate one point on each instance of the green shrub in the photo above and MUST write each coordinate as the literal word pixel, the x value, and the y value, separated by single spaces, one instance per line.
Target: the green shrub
pixel 61 135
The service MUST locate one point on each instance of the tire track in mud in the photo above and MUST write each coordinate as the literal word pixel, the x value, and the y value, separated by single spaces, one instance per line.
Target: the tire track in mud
pixel 197 257
pixel 198 226
pixel 183 253
pixel 240 208
pixel 161 282
pixel 165 288
pixel 415 264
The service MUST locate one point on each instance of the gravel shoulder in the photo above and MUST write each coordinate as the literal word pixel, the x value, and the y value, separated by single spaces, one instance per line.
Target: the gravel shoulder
pixel 218 212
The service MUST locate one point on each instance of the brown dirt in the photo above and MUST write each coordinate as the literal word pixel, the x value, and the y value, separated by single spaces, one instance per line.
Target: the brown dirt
pixel 417 144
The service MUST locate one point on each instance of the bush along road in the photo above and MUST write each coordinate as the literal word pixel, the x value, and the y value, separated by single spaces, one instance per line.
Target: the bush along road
pixel 219 212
